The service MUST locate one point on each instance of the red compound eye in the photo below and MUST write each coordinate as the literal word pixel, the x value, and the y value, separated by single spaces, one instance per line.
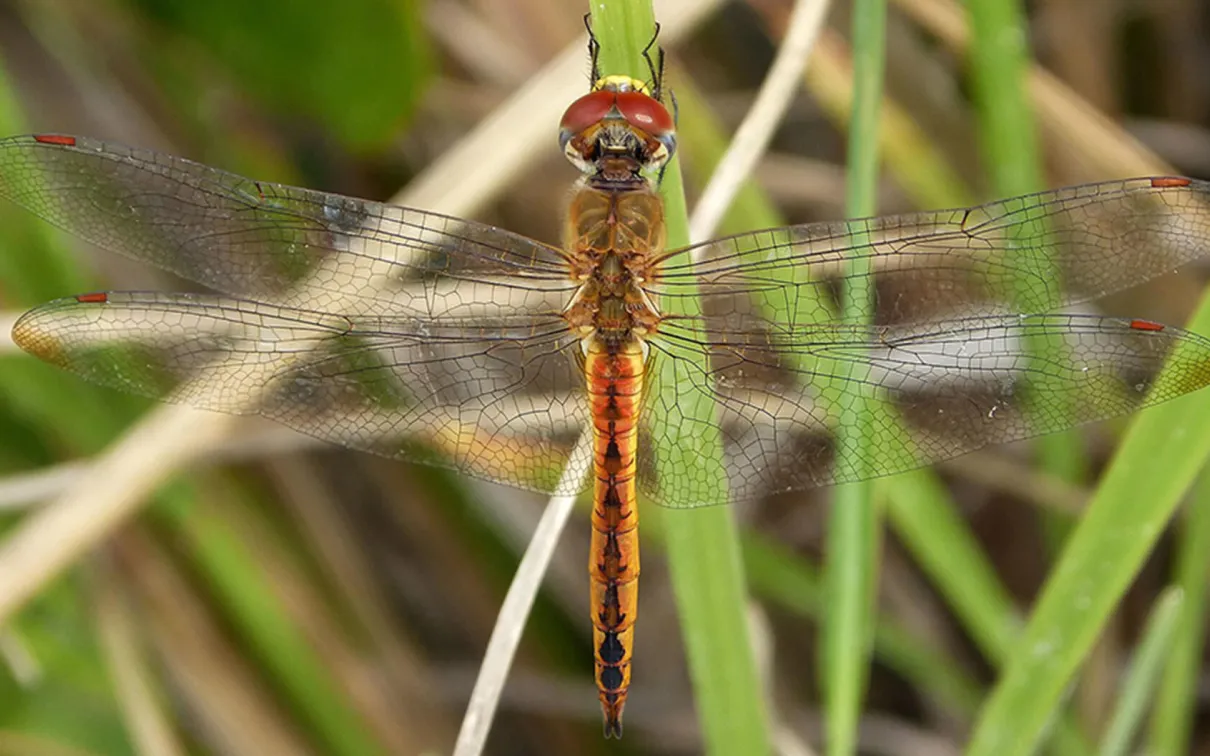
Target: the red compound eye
pixel 644 112
pixel 586 111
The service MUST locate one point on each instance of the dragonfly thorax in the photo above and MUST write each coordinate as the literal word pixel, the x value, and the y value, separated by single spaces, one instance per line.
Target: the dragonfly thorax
pixel 614 238
pixel 611 304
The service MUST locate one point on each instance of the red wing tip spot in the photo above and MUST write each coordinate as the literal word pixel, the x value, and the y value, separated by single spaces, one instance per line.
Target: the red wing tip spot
pixel 60 139
pixel 99 297
pixel 1170 182
pixel 1146 325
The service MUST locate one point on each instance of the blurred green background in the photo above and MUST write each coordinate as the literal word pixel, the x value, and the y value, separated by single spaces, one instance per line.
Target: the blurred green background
pixel 301 599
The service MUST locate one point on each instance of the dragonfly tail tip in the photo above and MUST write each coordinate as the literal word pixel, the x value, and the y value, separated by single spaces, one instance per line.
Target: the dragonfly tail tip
pixel 613 726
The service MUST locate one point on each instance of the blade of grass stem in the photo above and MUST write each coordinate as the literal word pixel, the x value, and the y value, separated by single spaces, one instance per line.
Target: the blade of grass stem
pixel 246 596
pixel 1172 717
pixel 917 501
pixel 1153 468
pixel 851 556
pixel 1008 138
pixel 1145 668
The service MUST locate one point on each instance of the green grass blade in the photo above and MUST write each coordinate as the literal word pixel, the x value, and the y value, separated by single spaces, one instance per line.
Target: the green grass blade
pixel 789 581
pixel 1176 701
pixel 945 546
pixel 950 555
pixel 851 566
pixel 1154 467
pixel 702 543
pixel 228 563
pixel 1145 669
pixel 909 155
pixel 918 502
pixel 47 411
pixel 999 62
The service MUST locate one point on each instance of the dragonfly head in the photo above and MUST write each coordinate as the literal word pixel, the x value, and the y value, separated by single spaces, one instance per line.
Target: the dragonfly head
pixel 617 128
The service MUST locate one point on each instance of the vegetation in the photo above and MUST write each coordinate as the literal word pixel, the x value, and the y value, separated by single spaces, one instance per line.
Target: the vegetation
pixel 242 591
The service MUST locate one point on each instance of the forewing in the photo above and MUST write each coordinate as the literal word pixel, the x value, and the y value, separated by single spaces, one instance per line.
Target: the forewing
pixel 1037 251
pixel 259 240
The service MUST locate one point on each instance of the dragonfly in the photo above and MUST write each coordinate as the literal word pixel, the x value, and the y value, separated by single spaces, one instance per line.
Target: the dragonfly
pixel 445 341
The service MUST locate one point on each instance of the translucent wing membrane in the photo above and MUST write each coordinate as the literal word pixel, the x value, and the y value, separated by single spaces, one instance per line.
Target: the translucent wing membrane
pixel 497 402
pixel 1040 250
pixel 255 239
pixel 936 390
pixel 440 340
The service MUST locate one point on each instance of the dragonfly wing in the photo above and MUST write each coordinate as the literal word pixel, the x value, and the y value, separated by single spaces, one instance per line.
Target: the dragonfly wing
pixel 946 365
pixel 1033 252
pixel 934 391
pixel 499 400
pixel 259 240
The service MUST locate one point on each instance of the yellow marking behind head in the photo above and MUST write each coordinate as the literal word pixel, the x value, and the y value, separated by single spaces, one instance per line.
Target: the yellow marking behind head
pixel 620 83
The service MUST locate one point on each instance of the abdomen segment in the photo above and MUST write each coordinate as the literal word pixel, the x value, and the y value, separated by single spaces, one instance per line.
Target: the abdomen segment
pixel 615 385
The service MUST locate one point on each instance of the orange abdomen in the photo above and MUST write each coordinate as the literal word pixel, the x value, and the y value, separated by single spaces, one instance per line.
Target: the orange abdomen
pixel 615 385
